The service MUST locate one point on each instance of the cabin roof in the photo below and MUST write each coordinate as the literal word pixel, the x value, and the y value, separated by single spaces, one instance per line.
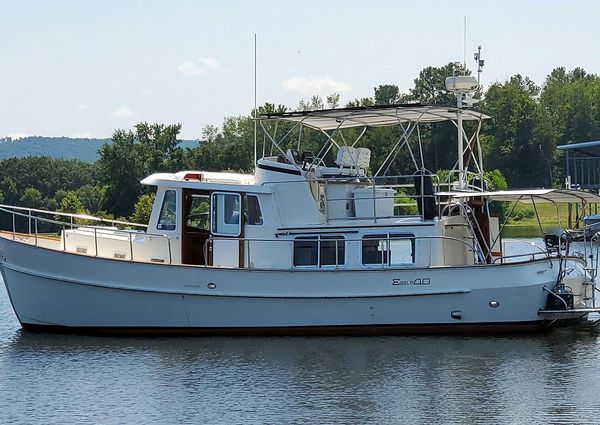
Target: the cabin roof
pixel 375 116
pixel 206 180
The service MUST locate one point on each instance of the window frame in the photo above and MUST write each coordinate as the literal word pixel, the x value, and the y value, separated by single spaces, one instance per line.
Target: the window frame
pixel 386 239
pixel 340 252
pixel 159 225
pixel 194 196
pixel 246 209
pixel 214 217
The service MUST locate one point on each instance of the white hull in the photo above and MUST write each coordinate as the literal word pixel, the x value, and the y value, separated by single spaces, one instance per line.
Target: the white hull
pixel 70 291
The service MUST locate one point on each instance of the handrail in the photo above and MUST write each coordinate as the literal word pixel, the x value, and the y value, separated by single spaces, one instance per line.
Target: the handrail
pixel 85 227
pixel 71 215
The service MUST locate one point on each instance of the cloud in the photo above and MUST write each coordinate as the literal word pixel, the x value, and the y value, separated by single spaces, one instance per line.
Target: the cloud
pixel 309 86
pixel 82 107
pixel 199 67
pixel 123 112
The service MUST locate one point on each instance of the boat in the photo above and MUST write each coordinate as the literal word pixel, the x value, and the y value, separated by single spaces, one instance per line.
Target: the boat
pixel 314 242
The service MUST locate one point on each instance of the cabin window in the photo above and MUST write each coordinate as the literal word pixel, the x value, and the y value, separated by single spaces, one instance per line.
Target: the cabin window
pixel 322 251
pixel 198 216
pixel 388 249
pixel 226 208
pixel 252 212
pixel 167 219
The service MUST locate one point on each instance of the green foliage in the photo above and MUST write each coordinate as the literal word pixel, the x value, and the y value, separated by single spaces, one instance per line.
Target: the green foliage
pixel 143 209
pixel 31 198
pixel 72 204
pixel 495 180
pixel 134 155
pixel 521 213
pixel 387 94
pixel 403 198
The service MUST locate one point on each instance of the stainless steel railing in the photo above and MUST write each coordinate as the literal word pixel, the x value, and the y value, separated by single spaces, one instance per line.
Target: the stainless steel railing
pixel 33 231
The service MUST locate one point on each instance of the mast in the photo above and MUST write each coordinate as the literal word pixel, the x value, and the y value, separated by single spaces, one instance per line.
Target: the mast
pixel 255 111
pixel 463 87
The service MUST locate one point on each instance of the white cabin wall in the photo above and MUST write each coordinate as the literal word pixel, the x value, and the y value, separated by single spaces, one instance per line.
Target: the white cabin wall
pixel 271 252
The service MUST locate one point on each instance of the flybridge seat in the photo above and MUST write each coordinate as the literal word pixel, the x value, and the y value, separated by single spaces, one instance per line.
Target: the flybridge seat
pixel 350 162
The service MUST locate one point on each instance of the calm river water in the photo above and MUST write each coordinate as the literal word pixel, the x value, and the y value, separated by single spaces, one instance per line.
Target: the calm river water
pixel 550 378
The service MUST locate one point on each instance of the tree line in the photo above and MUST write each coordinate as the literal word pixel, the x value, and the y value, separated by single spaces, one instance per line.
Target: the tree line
pixel 529 121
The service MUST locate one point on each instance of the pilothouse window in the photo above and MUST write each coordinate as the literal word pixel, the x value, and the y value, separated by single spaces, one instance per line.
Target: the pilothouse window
pixel 168 212
pixel 252 211
pixel 226 214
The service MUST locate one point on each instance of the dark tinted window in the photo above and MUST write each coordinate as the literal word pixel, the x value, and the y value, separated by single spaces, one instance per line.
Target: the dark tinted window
pixel 374 249
pixel 168 212
pixel 306 251
pixel 332 250
pixel 252 210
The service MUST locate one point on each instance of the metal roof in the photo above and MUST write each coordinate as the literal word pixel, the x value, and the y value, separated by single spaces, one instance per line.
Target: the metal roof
pixel 375 116
pixel 586 148
pixel 526 195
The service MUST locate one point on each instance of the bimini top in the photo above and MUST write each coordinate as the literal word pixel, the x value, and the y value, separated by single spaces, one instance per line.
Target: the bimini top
pixel 527 195
pixel 375 116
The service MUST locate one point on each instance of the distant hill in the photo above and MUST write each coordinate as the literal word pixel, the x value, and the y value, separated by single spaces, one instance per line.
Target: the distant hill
pixel 59 147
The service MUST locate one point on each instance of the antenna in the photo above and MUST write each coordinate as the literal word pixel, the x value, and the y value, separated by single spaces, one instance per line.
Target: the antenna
pixel 465 46
pixel 255 111
pixel 480 63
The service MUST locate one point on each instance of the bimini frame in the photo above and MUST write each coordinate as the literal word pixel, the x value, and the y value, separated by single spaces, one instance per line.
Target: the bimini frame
pixel 331 122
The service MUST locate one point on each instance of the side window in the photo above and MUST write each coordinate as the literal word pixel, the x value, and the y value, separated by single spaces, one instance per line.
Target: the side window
pixel 225 214
pixel 306 251
pixel 374 249
pixel 252 211
pixel 167 219
pixel 332 251
pixel 319 251
pixel 402 249
pixel 392 249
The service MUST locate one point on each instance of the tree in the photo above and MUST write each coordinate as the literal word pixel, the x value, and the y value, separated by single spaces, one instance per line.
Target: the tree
pixel 520 139
pixel 143 208
pixel 387 94
pixel 72 204
pixel 333 100
pixel 31 198
pixel 134 155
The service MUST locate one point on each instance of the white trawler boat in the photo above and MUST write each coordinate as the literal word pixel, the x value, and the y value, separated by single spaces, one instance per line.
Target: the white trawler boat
pixel 304 246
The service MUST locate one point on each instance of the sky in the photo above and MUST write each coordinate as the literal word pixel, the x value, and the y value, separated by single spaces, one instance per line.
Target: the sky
pixel 85 68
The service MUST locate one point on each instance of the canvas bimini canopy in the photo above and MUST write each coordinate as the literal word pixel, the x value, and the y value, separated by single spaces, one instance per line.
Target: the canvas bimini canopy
pixel 376 116
pixel 407 117
pixel 530 195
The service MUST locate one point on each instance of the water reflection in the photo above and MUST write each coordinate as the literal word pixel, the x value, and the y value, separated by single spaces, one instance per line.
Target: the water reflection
pixel 341 380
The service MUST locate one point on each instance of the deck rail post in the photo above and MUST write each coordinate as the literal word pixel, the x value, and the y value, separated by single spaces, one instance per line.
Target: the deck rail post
pixel 14 226
pixel 36 231
pixel 95 242
pixel 130 247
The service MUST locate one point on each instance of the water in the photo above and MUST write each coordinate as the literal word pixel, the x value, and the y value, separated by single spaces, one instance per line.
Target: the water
pixel 549 378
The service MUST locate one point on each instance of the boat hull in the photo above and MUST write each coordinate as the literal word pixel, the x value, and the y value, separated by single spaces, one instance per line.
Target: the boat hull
pixel 74 293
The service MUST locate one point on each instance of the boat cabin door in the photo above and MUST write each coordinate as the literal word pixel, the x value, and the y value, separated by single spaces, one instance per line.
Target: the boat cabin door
pixel 226 229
